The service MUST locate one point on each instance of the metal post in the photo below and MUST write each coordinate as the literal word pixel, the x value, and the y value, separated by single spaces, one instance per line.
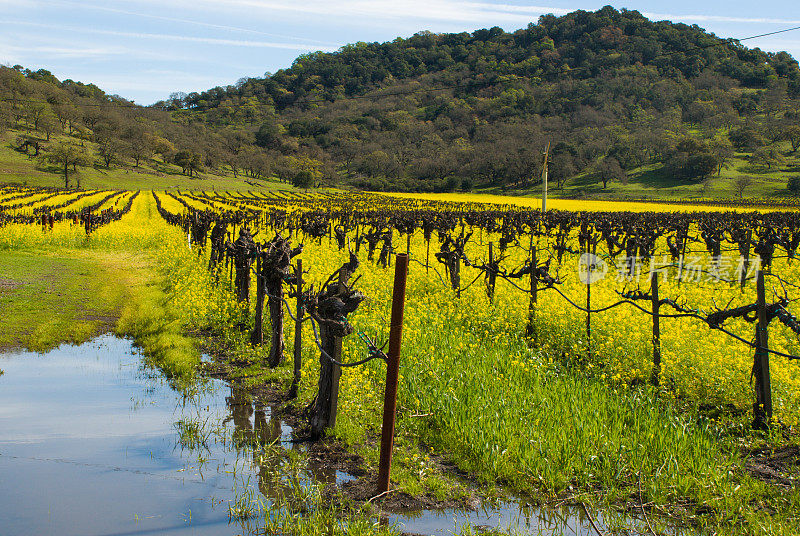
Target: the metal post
pixel 534 297
pixel 592 247
pixel 655 378
pixel 298 330
pixel 762 409
pixel 544 178
pixel 392 372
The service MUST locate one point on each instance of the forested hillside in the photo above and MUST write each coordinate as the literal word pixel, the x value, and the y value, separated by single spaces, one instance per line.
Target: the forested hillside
pixel 620 98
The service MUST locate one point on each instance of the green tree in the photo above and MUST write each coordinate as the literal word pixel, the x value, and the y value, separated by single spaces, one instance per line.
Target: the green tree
pixel 190 161
pixel 746 139
pixel 68 155
pixel 269 134
pixel 793 185
pixel 741 183
pixel 6 117
pixel 768 156
pixel 792 135
pixel 609 170
pixel 109 150
pixel 304 172
pixel 48 124
pixel 722 148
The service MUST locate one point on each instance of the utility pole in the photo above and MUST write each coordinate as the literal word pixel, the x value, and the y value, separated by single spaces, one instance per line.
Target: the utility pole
pixel 544 178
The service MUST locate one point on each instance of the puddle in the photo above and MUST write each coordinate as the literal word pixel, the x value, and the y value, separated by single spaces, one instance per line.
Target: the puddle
pixel 92 443
pixel 507 517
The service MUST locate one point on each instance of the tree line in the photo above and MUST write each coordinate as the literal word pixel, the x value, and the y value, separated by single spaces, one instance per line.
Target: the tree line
pixel 611 90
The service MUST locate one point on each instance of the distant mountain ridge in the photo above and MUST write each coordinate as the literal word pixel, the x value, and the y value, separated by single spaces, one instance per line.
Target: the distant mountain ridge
pixel 587 41
pixel 618 97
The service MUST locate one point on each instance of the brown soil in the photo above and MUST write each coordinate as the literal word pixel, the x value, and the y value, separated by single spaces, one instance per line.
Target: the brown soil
pixel 105 323
pixel 779 466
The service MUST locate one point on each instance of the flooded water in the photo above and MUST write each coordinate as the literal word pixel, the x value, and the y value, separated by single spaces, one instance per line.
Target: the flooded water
pixel 92 443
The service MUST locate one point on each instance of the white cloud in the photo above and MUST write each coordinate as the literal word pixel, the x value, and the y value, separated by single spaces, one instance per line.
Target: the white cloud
pixel 719 18
pixel 65 52
pixel 83 5
pixel 214 40
pixel 416 10
pixel 175 37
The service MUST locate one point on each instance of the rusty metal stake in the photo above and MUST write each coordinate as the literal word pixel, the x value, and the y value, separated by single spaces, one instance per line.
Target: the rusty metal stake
pixel 655 376
pixel 392 371
pixel 762 409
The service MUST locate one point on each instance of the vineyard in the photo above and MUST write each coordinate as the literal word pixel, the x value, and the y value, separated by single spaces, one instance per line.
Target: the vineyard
pixel 568 355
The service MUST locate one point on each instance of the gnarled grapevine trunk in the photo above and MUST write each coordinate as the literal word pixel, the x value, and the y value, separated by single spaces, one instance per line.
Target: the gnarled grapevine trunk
pixel 243 252
pixel 329 309
pixel 274 266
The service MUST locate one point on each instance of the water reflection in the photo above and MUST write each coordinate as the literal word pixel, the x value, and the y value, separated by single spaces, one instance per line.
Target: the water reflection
pixel 86 429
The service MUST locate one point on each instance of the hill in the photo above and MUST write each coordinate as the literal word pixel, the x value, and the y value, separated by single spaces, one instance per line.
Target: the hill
pixel 631 107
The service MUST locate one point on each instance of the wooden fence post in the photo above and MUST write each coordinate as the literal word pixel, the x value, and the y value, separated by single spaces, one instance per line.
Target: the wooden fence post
pixel 531 331
pixel 491 276
pixel 762 409
pixel 427 255
pixel 746 259
pixel 656 374
pixel 298 331
pixel 592 248
pixel 392 372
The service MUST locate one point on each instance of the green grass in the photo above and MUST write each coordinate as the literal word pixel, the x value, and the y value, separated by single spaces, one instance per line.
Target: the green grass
pixel 653 182
pixel 17 168
pixel 49 298
pixel 155 327
pixel 472 395
pixel 58 287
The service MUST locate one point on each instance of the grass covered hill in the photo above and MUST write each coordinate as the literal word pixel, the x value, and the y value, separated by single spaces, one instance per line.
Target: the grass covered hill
pixel 631 107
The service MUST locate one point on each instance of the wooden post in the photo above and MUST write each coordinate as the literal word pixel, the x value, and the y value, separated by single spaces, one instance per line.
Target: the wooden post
pixel 427 256
pixel 389 255
pixel 656 374
pixel 682 259
pixel 392 372
pixel 457 276
pixel 762 409
pixel 592 247
pixel 746 260
pixel 298 330
pixel 530 331
pixel 490 275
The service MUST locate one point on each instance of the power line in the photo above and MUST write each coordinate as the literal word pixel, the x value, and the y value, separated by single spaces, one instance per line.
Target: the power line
pixel 368 96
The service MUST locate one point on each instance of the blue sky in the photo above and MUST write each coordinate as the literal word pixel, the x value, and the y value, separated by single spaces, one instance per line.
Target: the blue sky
pixel 146 49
